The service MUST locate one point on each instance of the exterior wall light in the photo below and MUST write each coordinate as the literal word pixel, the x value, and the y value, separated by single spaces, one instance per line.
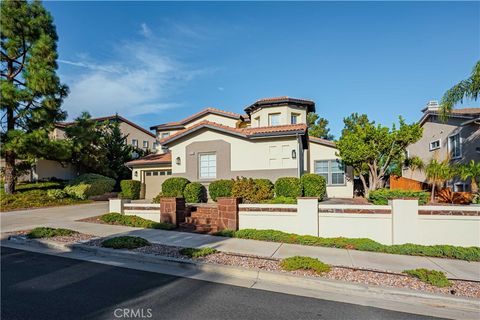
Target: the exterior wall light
pixel 294 154
pixel 178 161
pixel 136 173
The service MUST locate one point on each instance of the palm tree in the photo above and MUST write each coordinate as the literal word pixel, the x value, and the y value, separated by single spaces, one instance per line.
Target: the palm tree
pixel 437 173
pixel 465 89
pixel 414 163
pixel 470 171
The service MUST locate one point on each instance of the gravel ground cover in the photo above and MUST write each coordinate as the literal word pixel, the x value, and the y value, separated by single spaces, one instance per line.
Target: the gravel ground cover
pixel 76 237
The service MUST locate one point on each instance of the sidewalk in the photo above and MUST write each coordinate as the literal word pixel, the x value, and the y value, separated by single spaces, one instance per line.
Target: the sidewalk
pixel 341 257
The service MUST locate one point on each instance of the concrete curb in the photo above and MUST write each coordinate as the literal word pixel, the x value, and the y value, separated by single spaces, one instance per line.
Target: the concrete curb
pixel 466 307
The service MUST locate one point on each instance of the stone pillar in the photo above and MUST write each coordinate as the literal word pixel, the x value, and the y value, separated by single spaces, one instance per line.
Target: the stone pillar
pixel 172 210
pixel 228 213
pixel 116 205
pixel 307 219
pixel 404 220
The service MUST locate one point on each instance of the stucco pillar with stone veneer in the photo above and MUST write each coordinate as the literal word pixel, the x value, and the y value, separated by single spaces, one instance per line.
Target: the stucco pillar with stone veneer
pixel 228 213
pixel 172 210
pixel 404 220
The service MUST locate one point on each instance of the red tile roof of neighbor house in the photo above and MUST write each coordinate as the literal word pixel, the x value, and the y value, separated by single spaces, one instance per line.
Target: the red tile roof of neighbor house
pixel 152 159
pixel 227 114
pixel 322 141
pixel 466 111
pixel 278 101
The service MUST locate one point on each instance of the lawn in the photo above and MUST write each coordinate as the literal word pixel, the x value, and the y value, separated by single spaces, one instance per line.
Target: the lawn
pixel 34 195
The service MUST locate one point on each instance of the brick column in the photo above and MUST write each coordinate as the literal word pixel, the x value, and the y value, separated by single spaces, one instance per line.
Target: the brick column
pixel 228 213
pixel 172 210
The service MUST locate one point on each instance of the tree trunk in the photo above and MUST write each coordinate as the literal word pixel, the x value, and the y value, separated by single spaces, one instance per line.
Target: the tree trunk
pixel 365 188
pixel 474 185
pixel 432 196
pixel 10 155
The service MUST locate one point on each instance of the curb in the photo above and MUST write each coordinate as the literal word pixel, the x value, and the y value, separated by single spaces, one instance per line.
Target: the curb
pixel 459 304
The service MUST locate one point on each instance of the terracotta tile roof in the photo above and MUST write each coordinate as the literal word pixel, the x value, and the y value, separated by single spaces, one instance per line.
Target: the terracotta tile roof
pixel 275 101
pixel 152 159
pixel 466 111
pixel 244 132
pixel 197 115
pixel 323 141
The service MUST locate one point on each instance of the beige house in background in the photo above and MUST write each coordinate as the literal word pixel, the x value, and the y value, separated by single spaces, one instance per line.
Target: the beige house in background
pixel 458 138
pixel 269 141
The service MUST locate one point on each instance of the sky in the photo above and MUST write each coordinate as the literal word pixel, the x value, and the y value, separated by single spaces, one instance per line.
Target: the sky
pixel 156 62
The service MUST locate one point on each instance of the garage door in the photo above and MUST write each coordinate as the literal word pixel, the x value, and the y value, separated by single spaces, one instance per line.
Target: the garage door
pixel 153 182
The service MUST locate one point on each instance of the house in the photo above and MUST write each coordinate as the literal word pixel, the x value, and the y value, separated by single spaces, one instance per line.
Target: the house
pixel 46 169
pixel 269 141
pixel 457 139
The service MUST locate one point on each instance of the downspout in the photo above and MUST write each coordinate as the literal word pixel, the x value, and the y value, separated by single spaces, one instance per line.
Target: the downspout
pixel 300 156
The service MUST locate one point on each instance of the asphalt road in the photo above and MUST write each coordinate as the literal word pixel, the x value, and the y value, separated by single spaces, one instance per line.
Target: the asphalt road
pixel 38 286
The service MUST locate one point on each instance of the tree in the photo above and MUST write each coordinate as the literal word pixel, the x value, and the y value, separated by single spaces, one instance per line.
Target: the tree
pixel 437 173
pixel 470 171
pixel 31 92
pixel 414 163
pixel 371 149
pixel 465 89
pixel 317 127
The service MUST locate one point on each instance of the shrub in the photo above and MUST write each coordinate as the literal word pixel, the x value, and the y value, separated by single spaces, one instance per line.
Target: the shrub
pixel 476 198
pixel 252 191
pixel 56 193
pixel 381 196
pixel 313 185
pixel 220 188
pixel 174 187
pixel 264 188
pixel 134 221
pixel 88 185
pixel 304 263
pixel 197 252
pixel 130 189
pixel 288 187
pixel 225 233
pixel 125 242
pixel 195 193
pixel 44 232
pixel 281 200
pixel 433 277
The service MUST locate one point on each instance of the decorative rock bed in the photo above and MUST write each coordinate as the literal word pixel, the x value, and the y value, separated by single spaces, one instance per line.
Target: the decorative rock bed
pixel 74 238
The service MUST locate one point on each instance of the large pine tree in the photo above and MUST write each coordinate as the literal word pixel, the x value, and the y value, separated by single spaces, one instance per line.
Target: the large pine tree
pixel 31 91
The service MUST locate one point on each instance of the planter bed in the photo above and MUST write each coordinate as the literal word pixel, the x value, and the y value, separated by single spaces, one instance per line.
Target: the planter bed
pixel 74 238
pixel 368 277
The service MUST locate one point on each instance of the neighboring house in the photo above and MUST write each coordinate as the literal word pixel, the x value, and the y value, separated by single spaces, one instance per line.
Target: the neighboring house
pixel 269 141
pixel 458 139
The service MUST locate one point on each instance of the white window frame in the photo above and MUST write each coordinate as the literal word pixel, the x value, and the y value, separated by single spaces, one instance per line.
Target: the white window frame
pixel 135 142
pixel 295 116
pixel 436 148
pixel 145 144
pixel 330 172
pixel 209 177
pixel 270 116
pixel 459 146
pixel 163 135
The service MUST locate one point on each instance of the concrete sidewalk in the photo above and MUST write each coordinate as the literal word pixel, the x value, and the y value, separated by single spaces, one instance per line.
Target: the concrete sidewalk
pixel 64 217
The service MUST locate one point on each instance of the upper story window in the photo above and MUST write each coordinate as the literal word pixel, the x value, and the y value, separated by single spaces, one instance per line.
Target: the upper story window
pixel 257 121
pixel 332 170
pixel 274 119
pixel 434 145
pixel 145 144
pixel 164 135
pixel 155 145
pixel 455 146
pixel 135 142
pixel 294 118
pixel 208 166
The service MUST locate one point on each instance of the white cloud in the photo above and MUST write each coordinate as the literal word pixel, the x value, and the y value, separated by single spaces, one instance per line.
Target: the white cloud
pixel 139 80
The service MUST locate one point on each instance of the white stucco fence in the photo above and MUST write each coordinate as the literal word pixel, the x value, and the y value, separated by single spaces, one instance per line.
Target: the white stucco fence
pixel 150 211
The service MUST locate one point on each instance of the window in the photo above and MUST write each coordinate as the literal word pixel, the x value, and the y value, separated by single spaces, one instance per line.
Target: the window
pixel 169 173
pixel 145 144
pixel 208 166
pixel 155 173
pixel 332 170
pixel 434 145
pixel 257 121
pixel 454 146
pixel 274 119
pixel 294 118
pixel 155 145
pixel 460 187
pixel 135 142
pixel 164 135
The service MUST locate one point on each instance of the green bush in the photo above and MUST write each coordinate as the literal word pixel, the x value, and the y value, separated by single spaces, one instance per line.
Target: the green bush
pixel 220 188
pixel 174 187
pixel 362 244
pixel 476 198
pixel 433 277
pixel 130 189
pixel 125 242
pixel 195 193
pixel 56 193
pixel 313 185
pixel 281 200
pixel 134 221
pixel 197 252
pixel 252 190
pixel 304 263
pixel 288 187
pixel 264 188
pixel 225 233
pixel 381 196
pixel 44 232
pixel 88 185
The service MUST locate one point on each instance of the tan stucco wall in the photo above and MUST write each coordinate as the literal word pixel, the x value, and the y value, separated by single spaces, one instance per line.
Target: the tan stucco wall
pixel 152 185
pixel 214 118
pixel 134 133
pixel 285 113
pixel 45 169
pixel 321 152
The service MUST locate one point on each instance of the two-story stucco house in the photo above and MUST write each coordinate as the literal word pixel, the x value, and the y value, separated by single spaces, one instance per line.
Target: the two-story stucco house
pixel 457 138
pixel 269 141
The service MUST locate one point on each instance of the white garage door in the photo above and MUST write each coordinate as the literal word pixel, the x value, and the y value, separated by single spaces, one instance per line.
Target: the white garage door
pixel 153 182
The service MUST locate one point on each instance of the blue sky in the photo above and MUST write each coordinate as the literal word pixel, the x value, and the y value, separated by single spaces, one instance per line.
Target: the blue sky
pixel 156 62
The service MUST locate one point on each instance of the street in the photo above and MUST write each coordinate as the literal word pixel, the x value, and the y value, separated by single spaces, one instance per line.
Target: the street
pixel 38 286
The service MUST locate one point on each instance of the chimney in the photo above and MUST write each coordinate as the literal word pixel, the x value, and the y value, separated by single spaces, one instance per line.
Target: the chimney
pixel 432 105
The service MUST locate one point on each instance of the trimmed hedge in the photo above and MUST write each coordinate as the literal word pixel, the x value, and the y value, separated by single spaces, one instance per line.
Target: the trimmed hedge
pixel 252 191
pixel 313 185
pixel 130 189
pixel 45 232
pixel 220 188
pixel 433 277
pixel 265 187
pixel 362 244
pixel 88 185
pixel 195 193
pixel 281 200
pixel 174 187
pixel 288 187
pixel 304 263
pixel 197 252
pixel 381 196
pixel 125 242
pixel 134 221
